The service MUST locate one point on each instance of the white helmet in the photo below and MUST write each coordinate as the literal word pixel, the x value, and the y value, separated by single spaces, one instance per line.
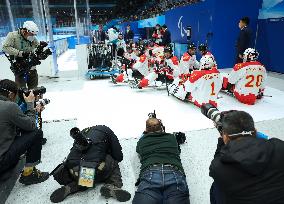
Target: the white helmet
pixel 250 54
pixel 206 62
pixel 31 27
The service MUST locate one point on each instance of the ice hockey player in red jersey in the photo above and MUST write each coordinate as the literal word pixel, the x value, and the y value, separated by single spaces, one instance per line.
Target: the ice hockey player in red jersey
pixel 247 80
pixel 128 61
pixel 203 49
pixel 167 68
pixel 202 86
pixel 188 61
pixel 140 68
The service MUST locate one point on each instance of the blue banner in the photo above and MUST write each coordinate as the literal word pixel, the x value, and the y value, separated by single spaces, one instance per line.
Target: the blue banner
pixel 151 22
pixel 272 9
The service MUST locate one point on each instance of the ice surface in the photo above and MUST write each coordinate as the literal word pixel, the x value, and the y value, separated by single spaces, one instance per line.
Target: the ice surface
pixel 125 110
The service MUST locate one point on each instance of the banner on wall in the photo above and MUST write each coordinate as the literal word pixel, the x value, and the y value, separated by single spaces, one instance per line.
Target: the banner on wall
pixel 151 22
pixel 272 9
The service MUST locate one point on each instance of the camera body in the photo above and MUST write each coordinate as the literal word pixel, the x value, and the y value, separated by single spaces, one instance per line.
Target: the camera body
pixel 43 102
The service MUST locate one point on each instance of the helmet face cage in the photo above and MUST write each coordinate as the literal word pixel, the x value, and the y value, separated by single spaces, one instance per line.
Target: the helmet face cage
pixel 250 54
pixel 206 62
pixel 191 46
pixel 202 47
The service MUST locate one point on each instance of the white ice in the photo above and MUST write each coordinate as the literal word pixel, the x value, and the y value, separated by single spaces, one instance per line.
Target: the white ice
pixel 125 110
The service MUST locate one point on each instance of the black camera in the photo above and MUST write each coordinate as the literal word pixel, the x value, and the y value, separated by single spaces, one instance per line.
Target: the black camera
pixel 180 137
pixel 37 91
pixel 214 114
pixel 43 102
pixel 80 141
pixel 20 65
pixel 152 115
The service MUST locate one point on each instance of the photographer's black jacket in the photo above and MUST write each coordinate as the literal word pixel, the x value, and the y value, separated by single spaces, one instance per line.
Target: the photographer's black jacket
pixel 104 142
pixel 249 171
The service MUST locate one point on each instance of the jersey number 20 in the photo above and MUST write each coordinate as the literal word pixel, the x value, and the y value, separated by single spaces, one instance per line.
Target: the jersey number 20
pixel 252 80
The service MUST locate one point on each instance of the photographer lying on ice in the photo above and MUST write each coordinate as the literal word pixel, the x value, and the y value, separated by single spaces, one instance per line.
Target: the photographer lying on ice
pixel 162 178
pixel 93 159
pixel 247 168
pixel 19 134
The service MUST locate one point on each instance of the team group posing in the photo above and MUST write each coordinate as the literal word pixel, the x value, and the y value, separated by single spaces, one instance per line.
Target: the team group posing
pixel 187 79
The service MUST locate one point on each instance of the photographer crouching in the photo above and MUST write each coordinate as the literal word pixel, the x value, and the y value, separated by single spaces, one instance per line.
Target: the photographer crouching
pixel 19 135
pixel 247 166
pixel 93 159
pixel 25 52
pixel 162 178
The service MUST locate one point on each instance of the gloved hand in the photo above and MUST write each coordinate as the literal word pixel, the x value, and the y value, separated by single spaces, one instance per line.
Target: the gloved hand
pixel 26 54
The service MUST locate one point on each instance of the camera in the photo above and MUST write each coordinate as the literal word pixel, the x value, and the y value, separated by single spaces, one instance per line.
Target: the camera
pixel 42 54
pixel 43 102
pixel 20 65
pixel 180 137
pixel 37 91
pixel 214 114
pixel 152 115
pixel 80 141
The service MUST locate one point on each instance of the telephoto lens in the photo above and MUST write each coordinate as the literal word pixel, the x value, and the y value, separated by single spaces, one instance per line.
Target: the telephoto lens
pixel 81 142
pixel 39 90
pixel 213 114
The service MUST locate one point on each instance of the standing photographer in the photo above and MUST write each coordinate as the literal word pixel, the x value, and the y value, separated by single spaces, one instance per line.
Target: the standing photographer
pixel 93 159
pixel 162 178
pixel 19 135
pixel 20 44
pixel 246 168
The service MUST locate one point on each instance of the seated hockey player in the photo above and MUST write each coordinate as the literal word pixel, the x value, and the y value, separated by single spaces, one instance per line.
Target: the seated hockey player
pixel 128 61
pixel 167 69
pixel 202 86
pixel 188 61
pixel 93 159
pixel 247 79
pixel 120 45
pixel 203 49
pixel 140 68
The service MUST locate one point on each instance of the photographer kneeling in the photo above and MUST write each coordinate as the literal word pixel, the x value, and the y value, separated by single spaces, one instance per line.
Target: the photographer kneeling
pixel 162 178
pixel 246 167
pixel 19 135
pixel 93 159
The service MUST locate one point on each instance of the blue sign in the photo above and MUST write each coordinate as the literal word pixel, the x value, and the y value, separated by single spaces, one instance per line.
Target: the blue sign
pixel 151 22
pixel 272 9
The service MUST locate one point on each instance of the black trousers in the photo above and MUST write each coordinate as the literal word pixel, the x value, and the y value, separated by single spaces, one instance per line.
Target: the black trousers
pixel 215 194
pixel 30 80
pixel 29 143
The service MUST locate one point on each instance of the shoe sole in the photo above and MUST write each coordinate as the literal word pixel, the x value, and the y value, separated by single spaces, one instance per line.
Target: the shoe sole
pixel 31 183
pixel 120 195
pixel 62 192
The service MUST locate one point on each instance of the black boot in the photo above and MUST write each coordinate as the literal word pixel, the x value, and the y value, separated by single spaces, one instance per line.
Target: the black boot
pixel 35 177
pixel 110 190
pixel 61 193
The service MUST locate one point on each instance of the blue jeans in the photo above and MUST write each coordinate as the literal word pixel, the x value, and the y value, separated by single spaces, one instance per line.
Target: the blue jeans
pixel 162 184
